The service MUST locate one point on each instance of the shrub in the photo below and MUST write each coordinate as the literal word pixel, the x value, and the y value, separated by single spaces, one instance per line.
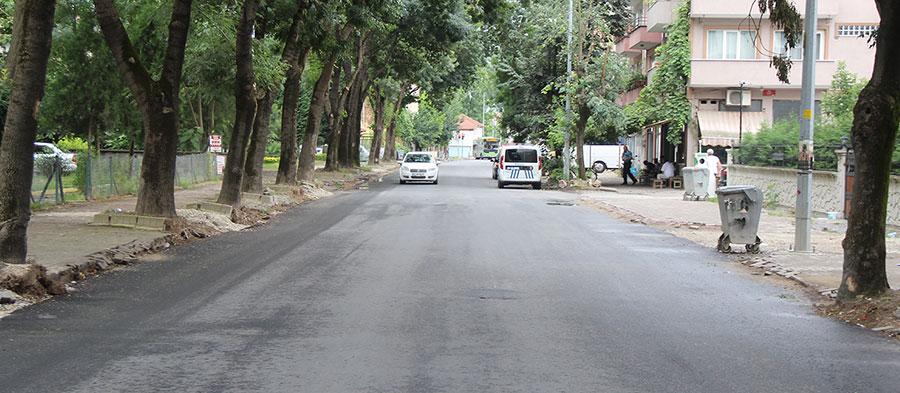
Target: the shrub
pixel 72 144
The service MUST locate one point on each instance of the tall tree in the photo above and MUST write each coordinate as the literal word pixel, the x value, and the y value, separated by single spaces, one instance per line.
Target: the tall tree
pixel 27 68
pixel 245 106
pixel 296 53
pixel 158 101
pixel 875 123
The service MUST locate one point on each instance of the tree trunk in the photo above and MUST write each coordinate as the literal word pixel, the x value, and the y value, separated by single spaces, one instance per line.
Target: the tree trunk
pixel 157 100
pixel 337 118
pixel 245 107
pixel 287 163
pixel 314 120
pixel 390 139
pixel 875 123
pixel 584 113
pixel 256 152
pixel 295 55
pixel 349 151
pixel 375 152
pixel 31 41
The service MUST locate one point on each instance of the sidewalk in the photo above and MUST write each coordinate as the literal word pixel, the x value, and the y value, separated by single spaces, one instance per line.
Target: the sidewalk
pixel 699 222
pixel 60 236
pixel 62 241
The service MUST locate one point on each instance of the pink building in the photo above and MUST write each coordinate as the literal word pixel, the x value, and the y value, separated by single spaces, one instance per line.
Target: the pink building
pixel 732 44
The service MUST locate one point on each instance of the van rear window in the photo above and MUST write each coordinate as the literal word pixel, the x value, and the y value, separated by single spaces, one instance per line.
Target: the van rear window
pixel 521 155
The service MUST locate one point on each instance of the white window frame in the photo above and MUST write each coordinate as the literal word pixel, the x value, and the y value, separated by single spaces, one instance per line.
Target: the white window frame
pixel 779 49
pixel 855 30
pixel 725 44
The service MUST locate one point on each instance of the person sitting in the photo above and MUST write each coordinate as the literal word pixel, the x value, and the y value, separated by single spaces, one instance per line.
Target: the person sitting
pixel 667 171
pixel 651 168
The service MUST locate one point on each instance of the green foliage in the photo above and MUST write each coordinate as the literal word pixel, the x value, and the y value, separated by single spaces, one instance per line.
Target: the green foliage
pixel 72 143
pixel 430 127
pixel 776 145
pixel 665 97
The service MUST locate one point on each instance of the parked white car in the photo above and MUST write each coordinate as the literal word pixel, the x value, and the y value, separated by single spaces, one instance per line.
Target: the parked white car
pixel 45 150
pixel 519 164
pixel 419 166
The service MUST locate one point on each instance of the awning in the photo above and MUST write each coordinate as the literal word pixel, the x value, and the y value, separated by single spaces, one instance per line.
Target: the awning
pixel 723 128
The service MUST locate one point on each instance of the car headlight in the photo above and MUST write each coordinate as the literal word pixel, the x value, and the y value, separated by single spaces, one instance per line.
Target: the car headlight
pixel 404 169
pixel 432 169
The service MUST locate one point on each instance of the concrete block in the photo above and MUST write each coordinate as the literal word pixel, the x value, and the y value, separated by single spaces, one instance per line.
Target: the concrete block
pixel 217 208
pixel 265 200
pixel 101 219
pixel 122 220
pixel 152 223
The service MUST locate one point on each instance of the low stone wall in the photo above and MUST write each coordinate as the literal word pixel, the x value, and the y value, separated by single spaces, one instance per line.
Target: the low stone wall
pixel 779 186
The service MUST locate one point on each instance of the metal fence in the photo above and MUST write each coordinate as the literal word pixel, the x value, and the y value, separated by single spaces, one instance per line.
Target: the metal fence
pixel 113 173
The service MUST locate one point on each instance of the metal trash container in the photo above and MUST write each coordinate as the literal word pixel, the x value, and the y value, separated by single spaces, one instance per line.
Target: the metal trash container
pixel 696 181
pixel 740 208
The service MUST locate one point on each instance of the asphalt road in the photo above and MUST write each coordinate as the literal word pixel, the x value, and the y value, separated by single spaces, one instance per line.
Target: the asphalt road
pixel 458 287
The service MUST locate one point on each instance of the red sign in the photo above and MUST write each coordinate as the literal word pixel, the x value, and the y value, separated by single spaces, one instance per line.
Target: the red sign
pixel 215 143
pixel 768 93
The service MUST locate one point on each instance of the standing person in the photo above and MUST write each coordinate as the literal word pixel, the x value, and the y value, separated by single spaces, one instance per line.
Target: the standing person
pixel 626 166
pixel 715 168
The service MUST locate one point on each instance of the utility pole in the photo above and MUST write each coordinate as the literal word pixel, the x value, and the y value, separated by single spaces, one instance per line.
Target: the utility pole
pixel 805 152
pixel 567 148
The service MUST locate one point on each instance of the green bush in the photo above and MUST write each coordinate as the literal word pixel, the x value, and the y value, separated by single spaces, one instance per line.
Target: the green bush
pixel 321 157
pixel 72 144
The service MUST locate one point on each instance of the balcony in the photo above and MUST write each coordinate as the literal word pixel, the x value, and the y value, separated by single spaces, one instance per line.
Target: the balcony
pixel 629 96
pixel 739 8
pixel 757 73
pixel 660 15
pixel 624 49
pixel 641 39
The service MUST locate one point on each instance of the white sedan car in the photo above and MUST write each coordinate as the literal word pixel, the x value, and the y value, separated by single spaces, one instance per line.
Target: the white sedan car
pixel 419 166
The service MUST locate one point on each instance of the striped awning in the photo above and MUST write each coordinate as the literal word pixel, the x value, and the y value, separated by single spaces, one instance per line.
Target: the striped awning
pixel 723 128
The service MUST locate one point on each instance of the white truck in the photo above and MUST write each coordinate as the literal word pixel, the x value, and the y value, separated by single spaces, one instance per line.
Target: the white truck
pixel 600 158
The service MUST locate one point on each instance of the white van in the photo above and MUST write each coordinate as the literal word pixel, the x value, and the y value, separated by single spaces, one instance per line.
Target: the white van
pixel 519 164
pixel 600 158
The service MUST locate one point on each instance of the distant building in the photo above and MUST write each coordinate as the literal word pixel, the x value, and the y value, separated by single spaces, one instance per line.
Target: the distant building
pixel 467 131
pixel 727 49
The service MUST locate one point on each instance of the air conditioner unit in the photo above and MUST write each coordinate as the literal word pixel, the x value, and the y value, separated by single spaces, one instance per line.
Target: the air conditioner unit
pixel 737 98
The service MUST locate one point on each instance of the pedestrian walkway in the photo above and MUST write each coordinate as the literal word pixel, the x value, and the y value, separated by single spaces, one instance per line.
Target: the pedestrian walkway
pixel 699 222
pixel 61 236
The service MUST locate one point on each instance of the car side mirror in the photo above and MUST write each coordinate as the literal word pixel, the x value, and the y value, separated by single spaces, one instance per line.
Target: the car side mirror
pixel 399 162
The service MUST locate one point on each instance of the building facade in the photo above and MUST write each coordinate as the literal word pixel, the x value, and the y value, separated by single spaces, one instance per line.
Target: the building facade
pixel 463 142
pixel 733 89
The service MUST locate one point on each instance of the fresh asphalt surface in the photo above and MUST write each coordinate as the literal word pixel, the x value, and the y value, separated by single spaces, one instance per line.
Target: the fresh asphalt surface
pixel 456 287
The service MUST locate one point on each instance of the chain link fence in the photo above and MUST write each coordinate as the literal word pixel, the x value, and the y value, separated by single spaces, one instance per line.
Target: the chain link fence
pixel 111 173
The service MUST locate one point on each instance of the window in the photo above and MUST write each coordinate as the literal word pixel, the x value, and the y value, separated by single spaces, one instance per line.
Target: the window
pixel 418 158
pixel 855 30
pixel 521 155
pixel 797 53
pixel 731 44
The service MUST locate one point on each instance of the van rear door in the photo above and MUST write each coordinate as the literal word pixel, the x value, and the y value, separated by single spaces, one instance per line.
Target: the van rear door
pixel 522 164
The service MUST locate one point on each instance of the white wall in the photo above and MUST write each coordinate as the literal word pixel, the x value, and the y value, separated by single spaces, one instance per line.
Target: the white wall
pixel 780 185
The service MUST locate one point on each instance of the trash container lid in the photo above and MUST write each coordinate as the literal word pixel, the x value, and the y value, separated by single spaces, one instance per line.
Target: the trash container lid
pixel 731 190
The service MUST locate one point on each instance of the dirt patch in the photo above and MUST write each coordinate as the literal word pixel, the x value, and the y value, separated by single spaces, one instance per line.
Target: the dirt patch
pixel 880 313
pixel 206 222
pixel 249 216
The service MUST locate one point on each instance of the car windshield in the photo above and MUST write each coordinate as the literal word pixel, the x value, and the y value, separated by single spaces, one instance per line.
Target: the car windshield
pixel 521 155
pixel 418 158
